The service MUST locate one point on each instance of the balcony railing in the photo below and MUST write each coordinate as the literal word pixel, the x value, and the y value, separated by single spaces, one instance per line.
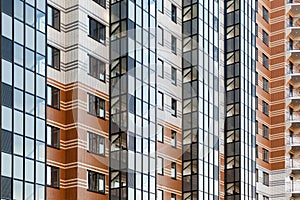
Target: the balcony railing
pixel 293 94
pixel 294 163
pixel 293 22
pixel 295 116
pixel 293 140
pixel 292 70
pixel 293 186
pixel 293 1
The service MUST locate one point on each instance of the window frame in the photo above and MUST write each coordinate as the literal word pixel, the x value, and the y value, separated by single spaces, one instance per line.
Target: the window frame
pixel 52 185
pixel 174 13
pixel 160 36
pixel 265 14
pixel 98 176
pixel 99 26
pixel 173 75
pixel 53 17
pixel 162 68
pixel 98 138
pixel 162 6
pixel 266 155
pixel 97 101
pixel 53 56
pixel 160 107
pixel 265 84
pixel 266 108
pixel 58 100
pixel 99 3
pixel 99 65
pixel 266 131
pixel 173 44
pixel 175 139
pixel 57 137
pixel 266 179
pixel 162 133
pixel 266 38
pixel 160 167
pixel 265 61
pixel 173 110
pixel 174 167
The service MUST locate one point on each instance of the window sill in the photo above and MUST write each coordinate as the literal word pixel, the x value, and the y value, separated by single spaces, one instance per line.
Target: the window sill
pixel 54 187
pixel 50 106
pixel 58 29
pixel 103 43
pixel 104 81
pixel 53 147
pixel 98 192
pixel 103 118
pixel 102 155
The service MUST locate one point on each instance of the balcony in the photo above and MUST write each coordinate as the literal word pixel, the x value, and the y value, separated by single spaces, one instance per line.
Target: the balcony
pixel 293 75
pixel 293 121
pixel 293 140
pixel 292 7
pixel 293 51
pixel 293 187
pixel 293 99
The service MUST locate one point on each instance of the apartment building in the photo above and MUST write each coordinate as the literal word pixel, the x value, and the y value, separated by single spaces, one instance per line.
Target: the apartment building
pixel 149 99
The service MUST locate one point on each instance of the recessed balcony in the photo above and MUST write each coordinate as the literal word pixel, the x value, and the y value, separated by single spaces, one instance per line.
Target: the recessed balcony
pixel 293 7
pixel 293 99
pixel 294 164
pixel 294 188
pixel 293 75
pixel 293 51
pixel 293 121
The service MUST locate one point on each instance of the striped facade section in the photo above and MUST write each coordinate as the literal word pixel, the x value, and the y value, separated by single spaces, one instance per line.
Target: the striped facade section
pixel 75 84
pixel 271 87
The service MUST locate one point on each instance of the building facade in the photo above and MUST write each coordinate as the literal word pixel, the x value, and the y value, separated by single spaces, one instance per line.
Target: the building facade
pixel 149 99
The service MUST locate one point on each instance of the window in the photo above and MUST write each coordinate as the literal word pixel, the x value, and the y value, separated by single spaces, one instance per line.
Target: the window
pixel 256 54
pixel 96 182
pixel 97 68
pixel 160 68
pixel 160 133
pixel 256 29
pixel 265 61
pixel 160 100
pixel 266 179
pixel 96 106
pixel 256 78
pixel 101 2
pixel 53 97
pixel 174 13
pixel 54 18
pixel 97 31
pixel 173 170
pixel 53 136
pixel 160 5
pixel 53 176
pixel 265 14
pixel 160 36
pixel 265 155
pixel 256 151
pixel 173 196
pixel 160 164
pixel 160 195
pixel 173 139
pixel 96 144
pixel 53 56
pixel 173 75
pixel 266 131
pixel 265 108
pixel 256 126
pixel 173 44
pixel 256 102
pixel 265 37
pixel 265 85
pixel 174 107
pixel 256 175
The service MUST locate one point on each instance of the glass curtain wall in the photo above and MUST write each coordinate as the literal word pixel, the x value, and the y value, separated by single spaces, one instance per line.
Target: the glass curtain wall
pixel 200 99
pixel 240 99
pixel 23 110
pixel 133 99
